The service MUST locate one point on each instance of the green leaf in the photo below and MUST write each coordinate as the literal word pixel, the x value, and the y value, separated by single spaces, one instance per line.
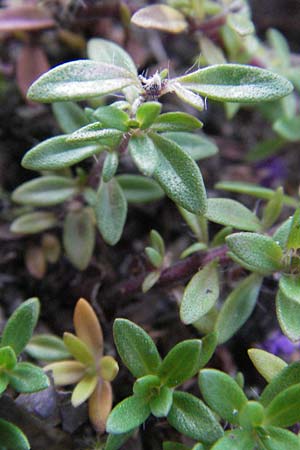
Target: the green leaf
pixel 252 415
pixel 128 414
pixel 181 363
pixel 288 315
pixel 8 358
pixel 154 257
pixel 281 47
pixel 69 116
pixel 273 209
pixel 112 117
pixel 231 213
pixel 264 149
pixel 267 364
pixel 26 377
pixel 273 438
pixel 79 80
pixel 235 440
pixel 157 242
pixel 45 191
pixel 147 113
pixel 12 437
pixel 209 343
pixel 79 349
pixel 197 146
pixel 174 446
pixel 110 53
pixel 288 128
pixel 115 441
pixel 57 153
pixel 146 386
pixel 111 211
pixel 255 252
pixel 84 389
pixel 240 23
pixel 191 417
pixel 179 175
pixel 176 121
pixel 150 280
pixel 237 307
pixel 287 377
pixel 161 403
pixel 47 347
pixel 284 410
pixel 253 189
pixel 236 83
pixel 222 394
pixel 95 133
pixel 4 380
pixel 79 237
pixel 200 294
pixel 136 348
pixel 197 223
pixel 293 240
pixel 160 17
pixel 188 96
pixel 144 154
pixel 34 222
pixel 139 189
pixel 198 246
pixel 19 327
pixel 110 166
pixel 282 233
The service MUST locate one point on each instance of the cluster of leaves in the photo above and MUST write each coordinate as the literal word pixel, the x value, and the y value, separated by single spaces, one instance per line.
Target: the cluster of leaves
pixel 20 376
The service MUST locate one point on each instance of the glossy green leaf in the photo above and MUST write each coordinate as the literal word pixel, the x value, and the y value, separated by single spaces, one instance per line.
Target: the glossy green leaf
pixel 95 133
pixel 179 175
pixel 161 403
pixel 34 222
pixel 154 257
pixel 136 348
pixel 139 189
pixel 57 153
pixel 128 414
pixel 84 389
pixel 112 117
pixel 284 410
pixel 111 211
pixel 253 189
pixel 146 386
pixel 191 417
pixel 237 307
pixel 197 146
pixel 188 96
pixel 288 128
pixel 273 438
pixel 229 212
pixel 267 364
pixel 200 294
pixel 12 436
pixel 8 358
pixel 293 240
pixel 110 53
pixel 19 327
pixel 176 121
pixel 79 80
pixel 144 154
pixel 45 191
pixel 46 347
pixel 235 440
pixel 255 252
pixel 181 363
pixel 237 83
pixel 110 166
pixel 79 349
pixel 26 377
pixel 79 237
pixel 147 113
pixel 252 415
pixel 288 315
pixel 160 17
pixel 115 441
pixel 287 377
pixel 69 116
pixel 222 394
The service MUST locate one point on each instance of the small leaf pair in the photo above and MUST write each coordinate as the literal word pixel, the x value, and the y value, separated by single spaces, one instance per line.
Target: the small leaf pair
pixel 155 254
pixel 92 371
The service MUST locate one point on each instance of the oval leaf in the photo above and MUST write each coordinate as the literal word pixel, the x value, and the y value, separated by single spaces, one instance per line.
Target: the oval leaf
pixel 69 116
pixel 197 146
pixel 139 189
pixel 235 440
pixel 267 364
pixel 284 409
pixel 289 376
pixel 237 83
pixel 231 213
pixel 160 17
pixel 46 347
pixel 26 377
pixel 12 436
pixel 128 414
pixel 288 315
pixel 34 222
pixel 273 438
